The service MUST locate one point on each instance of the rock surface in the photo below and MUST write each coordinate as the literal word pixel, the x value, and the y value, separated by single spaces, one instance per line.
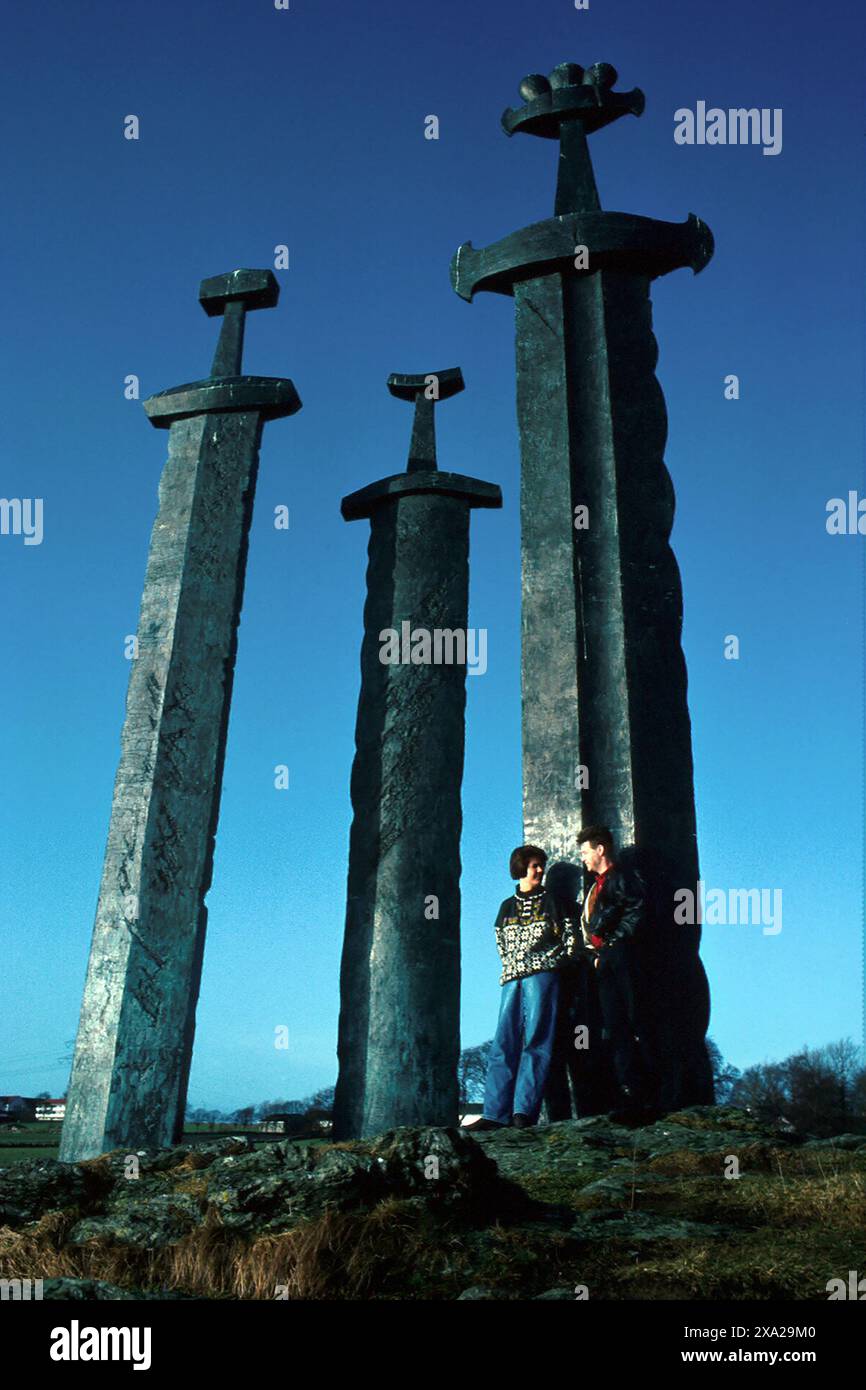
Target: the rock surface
pixel 706 1203
pixel 252 1190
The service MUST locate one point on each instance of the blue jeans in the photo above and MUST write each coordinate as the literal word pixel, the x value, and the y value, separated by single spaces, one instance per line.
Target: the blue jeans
pixel 522 1048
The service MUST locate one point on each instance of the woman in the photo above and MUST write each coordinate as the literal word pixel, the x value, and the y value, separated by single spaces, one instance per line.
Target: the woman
pixel 534 938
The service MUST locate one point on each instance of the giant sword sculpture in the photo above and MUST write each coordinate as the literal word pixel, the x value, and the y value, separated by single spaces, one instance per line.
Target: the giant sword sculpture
pixel 135 1035
pixel 399 1036
pixel 606 730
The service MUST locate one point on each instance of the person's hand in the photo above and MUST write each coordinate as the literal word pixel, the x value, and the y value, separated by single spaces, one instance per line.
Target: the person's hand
pixel 597 961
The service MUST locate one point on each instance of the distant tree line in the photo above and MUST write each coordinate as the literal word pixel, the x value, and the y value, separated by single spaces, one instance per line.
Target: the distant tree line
pixel 819 1090
pixel 317 1106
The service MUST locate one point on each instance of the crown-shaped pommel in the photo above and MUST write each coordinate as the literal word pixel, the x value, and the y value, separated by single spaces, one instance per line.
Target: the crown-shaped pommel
pixel 571 93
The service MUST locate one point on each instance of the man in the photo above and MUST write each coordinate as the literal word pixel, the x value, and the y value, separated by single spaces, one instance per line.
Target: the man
pixel 612 923
pixel 580 1082
pixel 534 937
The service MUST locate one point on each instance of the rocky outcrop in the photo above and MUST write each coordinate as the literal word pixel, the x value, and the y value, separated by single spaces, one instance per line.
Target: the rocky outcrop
pixel 706 1203
pixel 154 1197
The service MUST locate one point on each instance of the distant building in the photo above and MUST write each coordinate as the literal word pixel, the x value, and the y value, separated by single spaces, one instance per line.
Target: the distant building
pixel 283 1123
pixel 295 1125
pixel 16 1110
pixel 50 1109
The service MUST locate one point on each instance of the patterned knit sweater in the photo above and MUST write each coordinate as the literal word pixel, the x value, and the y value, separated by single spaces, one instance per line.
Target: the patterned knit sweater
pixel 534 932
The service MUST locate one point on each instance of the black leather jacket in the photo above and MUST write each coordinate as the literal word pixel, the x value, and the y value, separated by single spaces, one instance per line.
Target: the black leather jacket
pixel 620 911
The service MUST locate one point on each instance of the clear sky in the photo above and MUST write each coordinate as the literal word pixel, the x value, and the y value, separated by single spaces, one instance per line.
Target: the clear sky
pixel 305 127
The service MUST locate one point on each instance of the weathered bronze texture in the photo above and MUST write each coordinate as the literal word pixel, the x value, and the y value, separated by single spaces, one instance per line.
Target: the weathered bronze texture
pixel 135 1035
pixel 399 1033
pixel 606 728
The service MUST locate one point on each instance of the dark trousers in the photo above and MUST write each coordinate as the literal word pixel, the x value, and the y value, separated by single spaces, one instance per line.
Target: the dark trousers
pixel 626 1021
pixel 581 1077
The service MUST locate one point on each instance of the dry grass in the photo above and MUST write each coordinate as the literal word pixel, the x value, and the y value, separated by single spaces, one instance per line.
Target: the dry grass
pixel 753 1158
pixel 794 1216
pixel 193 1161
pixel 801 1233
pixel 789 1189
pixel 338 1255
pixel 836 1201
pixel 193 1186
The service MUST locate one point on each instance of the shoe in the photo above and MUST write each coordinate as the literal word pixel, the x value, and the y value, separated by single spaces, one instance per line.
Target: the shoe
pixel 483 1124
pixel 634 1116
pixel 628 1110
pixel 623 1116
pixel 522 1121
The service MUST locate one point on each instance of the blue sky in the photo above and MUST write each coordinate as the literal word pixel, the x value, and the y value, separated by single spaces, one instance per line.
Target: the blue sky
pixel 305 127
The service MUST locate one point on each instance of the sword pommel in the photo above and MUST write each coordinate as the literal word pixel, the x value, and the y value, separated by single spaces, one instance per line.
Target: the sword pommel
pixel 425 389
pixel 437 386
pixel 232 295
pixel 255 289
pixel 571 93
pixel 568 106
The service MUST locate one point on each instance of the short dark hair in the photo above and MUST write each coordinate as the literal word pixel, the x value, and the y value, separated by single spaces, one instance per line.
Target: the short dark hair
pixel 520 857
pixel 597 835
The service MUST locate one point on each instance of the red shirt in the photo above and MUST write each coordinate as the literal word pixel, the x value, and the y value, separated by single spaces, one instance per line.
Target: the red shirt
pixel 598 885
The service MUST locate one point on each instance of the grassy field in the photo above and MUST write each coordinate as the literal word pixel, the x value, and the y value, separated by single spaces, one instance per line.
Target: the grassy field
pixel 41 1139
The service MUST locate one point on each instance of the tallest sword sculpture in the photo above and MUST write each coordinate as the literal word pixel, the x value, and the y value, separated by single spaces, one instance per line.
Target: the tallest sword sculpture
pixel 606 731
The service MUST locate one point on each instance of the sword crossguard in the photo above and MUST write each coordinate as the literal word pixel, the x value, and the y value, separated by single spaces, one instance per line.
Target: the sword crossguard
pixel 425 390
pixel 232 295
